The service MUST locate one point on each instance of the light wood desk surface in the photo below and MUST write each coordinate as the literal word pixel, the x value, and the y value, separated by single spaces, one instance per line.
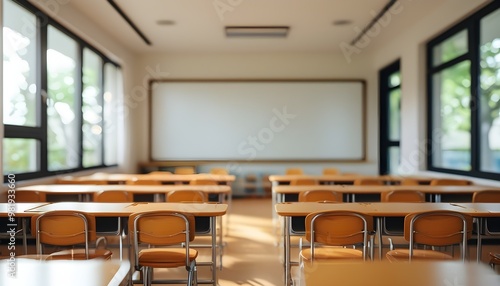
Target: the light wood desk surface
pixel 164 178
pixel 126 209
pixel 397 274
pixel 19 209
pixel 95 272
pixel 347 178
pixel 351 189
pixel 136 189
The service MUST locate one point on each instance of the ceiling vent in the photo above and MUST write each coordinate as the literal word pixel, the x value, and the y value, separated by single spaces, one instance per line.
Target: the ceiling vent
pixel 257 31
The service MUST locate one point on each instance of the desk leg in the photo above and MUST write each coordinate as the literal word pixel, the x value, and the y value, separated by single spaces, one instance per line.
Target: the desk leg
pixel 479 248
pixel 379 236
pixel 24 225
pixel 286 250
pixel 214 249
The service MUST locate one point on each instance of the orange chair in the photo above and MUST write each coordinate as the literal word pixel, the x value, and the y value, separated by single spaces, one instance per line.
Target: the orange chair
pixel 160 173
pixel 30 197
pixel 368 182
pixel 435 228
pixel 167 235
pixel 491 225
pixel 320 196
pixel 331 171
pixel 112 196
pixel 294 171
pixel 184 170
pixel 337 228
pixel 395 225
pixel 219 171
pixel 209 182
pixel 186 196
pixel 409 182
pixel 67 228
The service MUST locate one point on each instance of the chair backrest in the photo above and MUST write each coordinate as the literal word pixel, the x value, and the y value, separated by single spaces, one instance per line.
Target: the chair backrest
pixel 186 196
pixel 209 182
pixel 320 196
pixel 294 171
pixel 161 227
pixel 30 197
pixel 331 171
pixel 403 196
pixel 438 228
pixel 409 182
pixel 113 196
pixel 304 182
pixel 63 228
pixel 338 228
pixel 184 170
pixel 487 196
pixel 450 182
pixel 219 171
pixel 137 181
pixel 368 182
pixel 160 173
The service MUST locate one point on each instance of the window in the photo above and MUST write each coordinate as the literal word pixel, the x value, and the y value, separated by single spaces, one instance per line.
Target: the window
pixel 54 105
pixel 464 97
pixel 390 118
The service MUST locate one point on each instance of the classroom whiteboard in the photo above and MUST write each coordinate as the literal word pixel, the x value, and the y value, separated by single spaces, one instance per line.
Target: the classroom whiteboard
pixel 257 120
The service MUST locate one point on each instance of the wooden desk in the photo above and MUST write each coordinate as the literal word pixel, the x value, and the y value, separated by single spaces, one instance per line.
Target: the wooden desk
pixel 93 272
pixel 212 210
pixel 351 190
pixel 322 273
pixel 163 178
pixel 377 210
pixel 88 190
pixel 344 179
pixel 18 210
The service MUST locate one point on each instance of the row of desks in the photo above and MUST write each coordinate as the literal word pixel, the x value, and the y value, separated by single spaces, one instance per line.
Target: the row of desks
pixel 124 210
pixel 162 178
pixel 378 211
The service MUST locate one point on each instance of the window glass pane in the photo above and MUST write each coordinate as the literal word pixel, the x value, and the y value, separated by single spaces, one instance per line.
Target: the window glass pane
pixel 20 155
pixel 451 48
pixel 19 60
pixel 452 117
pixel 394 114
pixel 490 93
pixel 62 116
pixel 92 109
pixel 395 79
pixel 112 81
pixel 394 159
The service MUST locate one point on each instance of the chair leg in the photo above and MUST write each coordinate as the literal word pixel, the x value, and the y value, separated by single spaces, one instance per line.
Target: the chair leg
pixel 147 275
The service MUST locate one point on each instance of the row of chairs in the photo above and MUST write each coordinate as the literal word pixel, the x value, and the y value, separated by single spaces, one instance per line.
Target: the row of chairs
pixel 381 182
pixel 343 228
pixel 166 234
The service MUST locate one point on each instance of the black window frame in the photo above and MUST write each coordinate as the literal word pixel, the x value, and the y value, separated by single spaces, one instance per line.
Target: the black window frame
pixel 43 21
pixel 472 25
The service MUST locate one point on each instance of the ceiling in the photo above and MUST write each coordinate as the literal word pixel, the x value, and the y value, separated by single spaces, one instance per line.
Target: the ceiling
pixel 199 24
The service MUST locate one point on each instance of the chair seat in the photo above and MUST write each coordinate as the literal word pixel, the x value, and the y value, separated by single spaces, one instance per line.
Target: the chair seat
pixel 332 253
pixel 79 254
pixel 165 257
pixel 418 254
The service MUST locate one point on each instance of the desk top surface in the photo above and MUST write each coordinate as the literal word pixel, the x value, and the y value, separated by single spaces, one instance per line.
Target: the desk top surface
pixel 81 189
pixel 126 209
pixel 287 189
pixel 62 273
pixel 387 209
pixel 346 178
pixel 154 177
pixel 397 274
pixel 18 209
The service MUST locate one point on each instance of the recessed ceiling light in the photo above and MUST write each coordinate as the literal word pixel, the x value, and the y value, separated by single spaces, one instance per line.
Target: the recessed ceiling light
pixel 342 22
pixel 165 22
pixel 257 31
